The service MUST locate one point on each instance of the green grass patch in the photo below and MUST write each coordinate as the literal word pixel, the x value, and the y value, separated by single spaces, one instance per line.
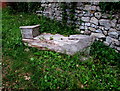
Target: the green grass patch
pixel 30 68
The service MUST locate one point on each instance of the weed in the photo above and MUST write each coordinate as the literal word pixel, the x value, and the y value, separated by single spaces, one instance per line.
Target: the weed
pixel 51 38
pixel 37 69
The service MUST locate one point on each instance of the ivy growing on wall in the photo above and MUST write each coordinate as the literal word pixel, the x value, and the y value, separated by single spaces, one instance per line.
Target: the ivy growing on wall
pixel 70 8
pixel 72 14
pixel 25 7
pixel 110 7
pixel 64 13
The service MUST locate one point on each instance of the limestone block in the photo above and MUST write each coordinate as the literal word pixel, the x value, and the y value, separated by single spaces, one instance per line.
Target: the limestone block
pixel 87 7
pixel 29 31
pixel 119 21
pixel 118 48
pixel 87 24
pixel 98 15
pixel 87 14
pixel 94 20
pixel 105 32
pixel 113 34
pixel 104 22
pixel 98 8
pixel 118 27
pixel 112 41
pixel 112 30
pixel 113 22
pixel 93 7
pixel 94 26
pixel 86 19
pixel 82 27
pixel 59 43
pixel 87 32
pixel 98 35
pixel 98 31
pixel 92 29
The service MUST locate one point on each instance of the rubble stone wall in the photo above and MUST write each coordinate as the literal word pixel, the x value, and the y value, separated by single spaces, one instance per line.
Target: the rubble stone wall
pixel 93 21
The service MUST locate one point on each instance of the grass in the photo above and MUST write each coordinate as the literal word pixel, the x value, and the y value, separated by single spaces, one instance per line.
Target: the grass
pixel 29 68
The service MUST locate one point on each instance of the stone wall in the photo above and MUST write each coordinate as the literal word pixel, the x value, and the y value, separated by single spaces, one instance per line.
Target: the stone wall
pixel 105 27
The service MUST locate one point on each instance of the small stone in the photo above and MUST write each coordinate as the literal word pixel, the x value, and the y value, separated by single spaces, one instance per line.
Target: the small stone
pixel 80 15
pixel 112 30
pixel 93 7
pixel 87 32
pixel 98 31
pixel 117 43
pixel 82 24
pixel 87 7
pixel 104 16
pixel 119 21
pixel 118 33
pixel 77 11
pixel 106 43
pixel 82 32
pixel 112 46
pixel 77 65
pixel 87 24
pixel 95 3
pixel 108 40
pixel 49 5
pixel 94 26
pixel 86 27
pixel 92 29
pixel 84 12
pixel 106 29
pixel 113 34
pixel 29 31
pixel 118 27
pixel 98 8
pixel 94 20
pixel 98 35
pixel 105 32
pixel 77 22
pixel 76 14
pixel 77 29
pixel 27 77
pixel 106 23
pixel 82 27
pixel 98 15
pixel 79 4
pixel 91 14
pixel 87 14
pixel 112 41
pixel 43 5
pixel 58 18
pixel 118 48
pixel 86 19
pixel 113 23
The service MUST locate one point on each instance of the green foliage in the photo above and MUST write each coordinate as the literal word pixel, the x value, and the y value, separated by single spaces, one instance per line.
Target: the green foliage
pixel 16 7
pixel 110 6
pixel 52 26
pixel 71 7
pixel 30 68
pixel 104 53
pixel 64 13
